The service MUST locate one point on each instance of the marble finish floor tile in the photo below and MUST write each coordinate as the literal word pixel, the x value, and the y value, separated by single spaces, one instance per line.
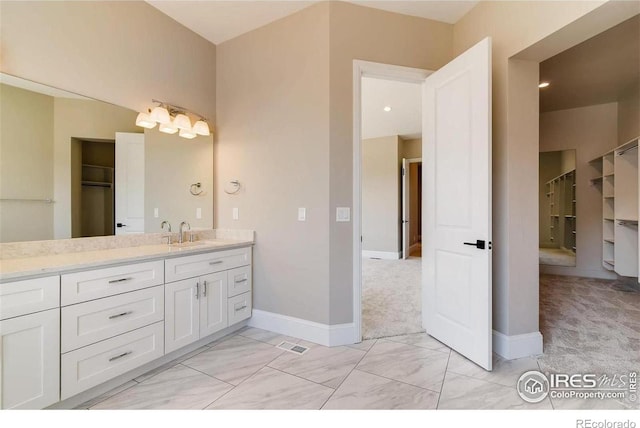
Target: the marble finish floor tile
pixel 102 397
pixel 320 364
pixel 363 390
pixel 505 372
pixel 463 392
pixel 266 336
pixel 235 359
pixel 169 364
pixel 273 389
pixel 180 387
pixel 420 367
pixel 422 340
pixel 365 345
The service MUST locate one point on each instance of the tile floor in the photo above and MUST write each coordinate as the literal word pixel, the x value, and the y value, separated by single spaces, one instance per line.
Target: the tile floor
pixel 245 370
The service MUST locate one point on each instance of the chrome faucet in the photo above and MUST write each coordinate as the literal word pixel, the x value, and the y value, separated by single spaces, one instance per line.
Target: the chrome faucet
pixel 162 225
pixel 184 223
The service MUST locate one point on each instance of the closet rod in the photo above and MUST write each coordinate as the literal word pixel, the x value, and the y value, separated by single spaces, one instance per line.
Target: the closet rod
pixel 621 152
pixel 46 201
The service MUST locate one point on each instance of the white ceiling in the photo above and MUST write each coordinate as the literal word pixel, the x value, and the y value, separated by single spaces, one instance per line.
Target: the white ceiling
pixel 7 79
pixel 405 100
pixel 218 21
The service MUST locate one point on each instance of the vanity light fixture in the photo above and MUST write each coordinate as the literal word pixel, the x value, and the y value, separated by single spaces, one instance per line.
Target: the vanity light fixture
pixel 172 119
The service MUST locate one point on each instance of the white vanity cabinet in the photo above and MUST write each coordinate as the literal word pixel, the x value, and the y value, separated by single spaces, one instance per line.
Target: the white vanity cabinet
pixel 30 343
pixel 202 305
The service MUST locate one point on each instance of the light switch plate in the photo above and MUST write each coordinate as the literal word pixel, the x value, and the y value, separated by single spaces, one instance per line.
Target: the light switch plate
pixel 236 214
pixel 198 213
pixel 156 213
pixel 302 214
pixel 343 214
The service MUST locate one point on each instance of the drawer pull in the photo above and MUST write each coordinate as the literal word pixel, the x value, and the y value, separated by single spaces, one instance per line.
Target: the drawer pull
pixel 120 315
pixel 240 281
pixel 241 308
pixel 115 281
pixel 204 289
pixel 117 357
pixel 217 262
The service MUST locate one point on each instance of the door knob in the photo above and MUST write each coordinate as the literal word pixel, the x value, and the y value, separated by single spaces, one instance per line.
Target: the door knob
pixel 120 225
pixel 478 244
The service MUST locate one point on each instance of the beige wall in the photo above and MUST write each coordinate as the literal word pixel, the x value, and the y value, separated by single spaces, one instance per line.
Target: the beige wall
pixel 591 131
pixel 629 115
pixel 79 119
pixel 26 170
pixel 362 33
pixel 273 136
pixel 412 149
pixel 381 195
pixel 171 165
pixel 122 52
pixel 515 26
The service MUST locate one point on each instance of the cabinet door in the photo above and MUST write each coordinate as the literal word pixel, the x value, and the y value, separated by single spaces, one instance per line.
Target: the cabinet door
pixel 30 360
pixel 182 323
pixel 213 304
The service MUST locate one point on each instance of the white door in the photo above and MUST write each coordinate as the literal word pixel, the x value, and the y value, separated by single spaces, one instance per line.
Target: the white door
pixel 30 357
pixel 213 304
pixel 129 183
pixel 181 313
pixel 406 209
pixel 457 204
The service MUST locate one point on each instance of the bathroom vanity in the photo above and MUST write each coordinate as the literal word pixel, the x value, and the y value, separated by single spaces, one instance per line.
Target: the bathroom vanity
pixel 71 323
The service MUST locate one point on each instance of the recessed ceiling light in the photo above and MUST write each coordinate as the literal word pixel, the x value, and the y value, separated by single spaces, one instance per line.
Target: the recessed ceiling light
pixel 387 108
pixel 543 84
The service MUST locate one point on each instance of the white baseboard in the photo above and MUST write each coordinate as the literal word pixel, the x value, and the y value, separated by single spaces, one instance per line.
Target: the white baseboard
pixel 517 346
pixel 573 271
pixel 385 255
pixel 322 334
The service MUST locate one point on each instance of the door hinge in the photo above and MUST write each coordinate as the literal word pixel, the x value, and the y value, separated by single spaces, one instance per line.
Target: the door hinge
pixel 403 171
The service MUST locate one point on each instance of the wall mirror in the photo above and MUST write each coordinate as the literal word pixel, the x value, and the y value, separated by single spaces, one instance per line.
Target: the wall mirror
pixel 558 208
pixel 72 167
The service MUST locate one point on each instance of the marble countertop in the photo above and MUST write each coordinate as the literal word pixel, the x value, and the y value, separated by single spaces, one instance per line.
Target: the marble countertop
pixel 24 268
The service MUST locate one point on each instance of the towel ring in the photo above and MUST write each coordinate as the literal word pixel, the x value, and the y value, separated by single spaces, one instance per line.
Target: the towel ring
pixel 193 187
pixel 236 185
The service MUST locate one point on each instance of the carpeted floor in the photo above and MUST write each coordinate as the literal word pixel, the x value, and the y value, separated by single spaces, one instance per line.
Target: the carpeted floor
pixel 589 325
pixel 557 257
pixel 391 297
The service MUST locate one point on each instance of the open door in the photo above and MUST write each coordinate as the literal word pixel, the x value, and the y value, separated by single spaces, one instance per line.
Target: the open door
pixel 457 204
pixel 406 209
pixel 129 183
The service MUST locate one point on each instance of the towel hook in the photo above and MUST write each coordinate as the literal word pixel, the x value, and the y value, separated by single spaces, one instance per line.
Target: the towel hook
pixel 193 187
pixel 236 185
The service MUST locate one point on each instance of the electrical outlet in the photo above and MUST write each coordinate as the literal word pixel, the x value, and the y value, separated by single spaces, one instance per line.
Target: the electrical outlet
pixel 198 213
pixel 156 213
pixel 302 214
pixel 236 214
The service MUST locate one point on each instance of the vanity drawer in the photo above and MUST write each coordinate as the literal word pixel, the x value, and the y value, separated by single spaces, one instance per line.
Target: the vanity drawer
pixel 92 365
pixel 97 283
pixel 90 322
pixel 239 281
pixel 202 264
pixel 239 308
pixel 29 296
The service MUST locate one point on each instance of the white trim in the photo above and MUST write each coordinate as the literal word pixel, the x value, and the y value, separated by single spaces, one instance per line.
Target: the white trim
pixel 385 71
pixel 385 255
pixel 322 334
pixel 574 271
pixel 517 346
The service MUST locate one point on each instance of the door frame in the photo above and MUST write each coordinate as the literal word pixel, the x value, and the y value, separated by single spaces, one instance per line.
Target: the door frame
pixel 388 72
pixel 409 162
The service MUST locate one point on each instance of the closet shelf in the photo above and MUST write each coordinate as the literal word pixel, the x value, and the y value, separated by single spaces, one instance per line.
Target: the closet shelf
pixel 609 241
pixel 87 165
pixel 96 184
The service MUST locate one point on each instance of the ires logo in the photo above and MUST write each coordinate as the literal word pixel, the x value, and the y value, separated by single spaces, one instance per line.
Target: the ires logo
pixel 561 380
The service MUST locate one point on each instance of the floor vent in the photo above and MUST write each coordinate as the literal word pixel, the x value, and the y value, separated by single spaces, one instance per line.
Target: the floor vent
pixel 292 347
